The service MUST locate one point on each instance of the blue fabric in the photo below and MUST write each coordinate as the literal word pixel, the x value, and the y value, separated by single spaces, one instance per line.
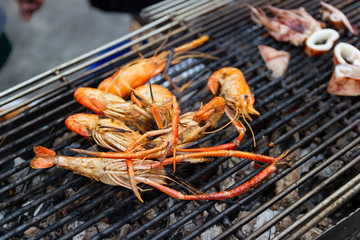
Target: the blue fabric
pixel 111 57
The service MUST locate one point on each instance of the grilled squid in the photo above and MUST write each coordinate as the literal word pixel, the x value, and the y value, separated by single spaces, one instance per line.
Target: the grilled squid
pixel 275 60
pixel 345 80
pixel 337 18
pixel 293 26
pixel 346 53
pixel 321 42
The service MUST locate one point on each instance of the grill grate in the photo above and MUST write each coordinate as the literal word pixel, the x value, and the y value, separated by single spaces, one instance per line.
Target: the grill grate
pixel 296 112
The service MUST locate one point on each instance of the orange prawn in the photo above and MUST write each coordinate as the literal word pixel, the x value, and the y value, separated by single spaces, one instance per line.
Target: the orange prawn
pixel 230 84
pixel 106 132
pixel 111 105
pixel 113 172
pixel 139 72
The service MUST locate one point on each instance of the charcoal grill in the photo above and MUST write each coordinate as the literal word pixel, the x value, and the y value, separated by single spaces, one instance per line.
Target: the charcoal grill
pixel 321 130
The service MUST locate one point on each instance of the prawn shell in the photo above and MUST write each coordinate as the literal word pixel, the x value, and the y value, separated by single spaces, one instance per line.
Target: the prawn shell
pixel 81 123
pixel 159 94
pixel 133 75
pixel 230 84
pixel 96 99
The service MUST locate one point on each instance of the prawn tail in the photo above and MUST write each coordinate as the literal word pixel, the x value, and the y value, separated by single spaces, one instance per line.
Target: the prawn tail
pixel 44 158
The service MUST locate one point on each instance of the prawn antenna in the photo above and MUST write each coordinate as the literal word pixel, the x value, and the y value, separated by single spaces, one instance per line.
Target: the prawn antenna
pixel 151 93
pixel 247 123
pixel 166 39
pixel 2 140
pixel 141 99
pixel 185 185
pixel 227 124
pixel 115 129
pixel 169 59
pixel 219 129
pixel 141 162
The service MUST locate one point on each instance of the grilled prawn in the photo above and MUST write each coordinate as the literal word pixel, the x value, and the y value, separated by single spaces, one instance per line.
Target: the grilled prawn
pixel 110 105
pixel 192 127
pixel 163 106
pixel 100 169
pixel 139 72
pixel 157 101
pixel 106 132
pixel 113 171
pixel 230 84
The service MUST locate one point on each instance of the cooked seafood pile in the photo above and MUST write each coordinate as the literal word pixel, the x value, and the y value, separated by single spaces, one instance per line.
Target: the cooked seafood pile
pixel 149 132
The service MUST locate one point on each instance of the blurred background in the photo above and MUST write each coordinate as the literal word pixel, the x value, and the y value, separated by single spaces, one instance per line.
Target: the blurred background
pixel 56 33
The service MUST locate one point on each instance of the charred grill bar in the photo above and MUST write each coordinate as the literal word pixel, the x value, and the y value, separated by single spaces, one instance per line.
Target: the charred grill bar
pixel 296 112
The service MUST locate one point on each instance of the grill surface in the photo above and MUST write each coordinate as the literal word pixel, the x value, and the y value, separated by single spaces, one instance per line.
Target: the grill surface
pixel 296 112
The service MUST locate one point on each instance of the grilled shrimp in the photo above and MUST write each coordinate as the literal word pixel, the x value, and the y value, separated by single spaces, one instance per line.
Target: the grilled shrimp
pixel 107 132
pixel 113 172
pixel 105 170
pixel 110 105
pixel 139 72
pixel 191 128
pixel 230 84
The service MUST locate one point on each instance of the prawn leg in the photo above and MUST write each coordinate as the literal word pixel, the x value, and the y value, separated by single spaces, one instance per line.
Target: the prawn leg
pixel 220 153
pixel 175 123
pixel 132 180
pixel 168 78
pixel 226 146
pixel 219 195
pixel 174 130
pixel 238 126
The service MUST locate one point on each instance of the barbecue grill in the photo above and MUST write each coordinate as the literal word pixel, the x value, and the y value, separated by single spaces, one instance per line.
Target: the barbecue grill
pixel 314 193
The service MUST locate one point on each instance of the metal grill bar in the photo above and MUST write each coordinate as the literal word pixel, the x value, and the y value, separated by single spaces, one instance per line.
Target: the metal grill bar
pixel 75 69
pixel 336 199
pixel 16 198
pixel 92 189
pixel 236 205
pixel 106 194
pixel 294 166
pixel 37 202
pixel 84 57
pixel 313 191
